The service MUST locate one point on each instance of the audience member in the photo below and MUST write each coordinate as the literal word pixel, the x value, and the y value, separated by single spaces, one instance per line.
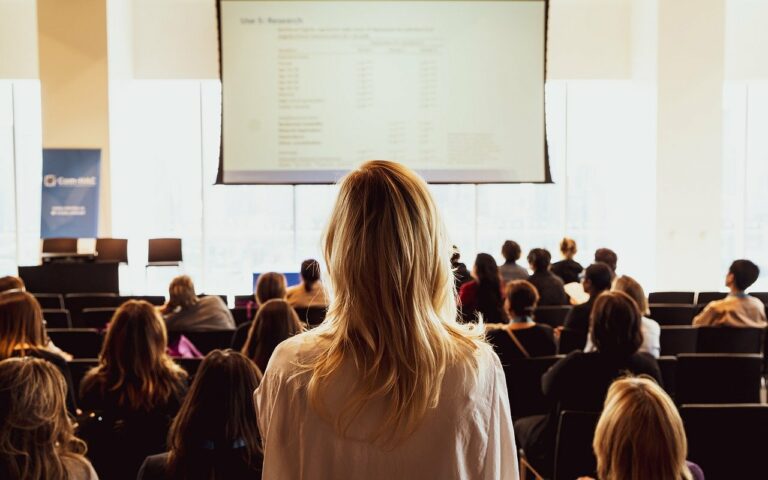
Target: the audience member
pixel 389 385
pixel 640 435
pixel 11 283
pixel 737 309
pixel 186 312
pixel 275 321
pixel 460 271
pixel 215 434
pixel 510 270
pixel 581 380
pixel 483 295
pixel 37 439
pixel 521 337
pixel 597 279
pixel 310 292
pixel 136 390
pixel 608 257
pixel 22 334
pixel 269 286
pixel 549 285
pixel 567 269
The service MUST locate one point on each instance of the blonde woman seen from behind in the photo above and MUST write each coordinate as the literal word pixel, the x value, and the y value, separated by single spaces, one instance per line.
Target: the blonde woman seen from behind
pixel 390 385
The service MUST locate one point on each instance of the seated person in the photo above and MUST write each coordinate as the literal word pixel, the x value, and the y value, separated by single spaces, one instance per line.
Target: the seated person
pixel 521 337
pixel 275 321
pixel 597 279
pixel 567 269
pixel 215 434
pixel 310 292
pixel 580 380
pixel 38 437
pixel 608 257
pixel 640 434
pixel 549 285
pixel 186 312
pixel 483 295
pixel 737 309
pixel 460 272
pixel 511 270
pixel 134 393
pixel 270 285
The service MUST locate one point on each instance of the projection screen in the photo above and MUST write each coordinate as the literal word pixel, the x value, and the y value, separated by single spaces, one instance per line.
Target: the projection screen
pixel 453 89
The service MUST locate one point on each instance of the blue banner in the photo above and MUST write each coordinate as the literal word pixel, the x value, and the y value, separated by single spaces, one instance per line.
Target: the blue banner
pixel 70 201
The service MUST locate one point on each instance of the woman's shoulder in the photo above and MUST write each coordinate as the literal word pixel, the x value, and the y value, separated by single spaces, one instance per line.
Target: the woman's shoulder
pixel 294 351
pixel 78 468
pixel 154 467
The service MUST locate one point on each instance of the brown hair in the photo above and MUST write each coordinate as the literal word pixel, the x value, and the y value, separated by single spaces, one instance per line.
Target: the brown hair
pixel 218 409
pixel 640 434
pixel 568 247
pixel 133 362
pixel 510 251
pixel 615 322
pixel 36 434
pixel 21 323
pixel 9 282
pixel 521 296
pixel 630 286
pixel 275 321
pixel 269 285
pixel 181 294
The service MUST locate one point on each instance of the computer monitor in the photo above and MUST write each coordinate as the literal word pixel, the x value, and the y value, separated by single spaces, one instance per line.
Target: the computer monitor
pixel 291 279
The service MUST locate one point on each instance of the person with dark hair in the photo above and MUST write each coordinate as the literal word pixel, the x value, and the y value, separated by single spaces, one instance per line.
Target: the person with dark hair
pixel 186 312
pixel 521 337
pixel 608 257
pixel 550 286
pixel 275 321
pixel 510 270
pixel 11 283
pixel 269 286
pixel 737 309
pixel 215 435
pixel 310 292
pixel 461 274
pixel 483 295
pixel 580 380
pixel 597 279
pixel 567 269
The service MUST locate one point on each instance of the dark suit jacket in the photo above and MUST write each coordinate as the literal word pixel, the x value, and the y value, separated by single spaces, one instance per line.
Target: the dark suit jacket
pixel 550 287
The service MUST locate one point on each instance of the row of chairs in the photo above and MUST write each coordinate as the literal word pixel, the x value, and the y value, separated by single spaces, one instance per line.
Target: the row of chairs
pixel 165 251
pixel 80 366
pixel 693 298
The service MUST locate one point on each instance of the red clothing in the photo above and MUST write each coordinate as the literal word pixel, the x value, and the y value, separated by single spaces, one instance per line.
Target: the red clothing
pixel 468 299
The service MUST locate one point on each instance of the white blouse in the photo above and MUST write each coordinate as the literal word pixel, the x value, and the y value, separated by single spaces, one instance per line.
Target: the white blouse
pixel 467 436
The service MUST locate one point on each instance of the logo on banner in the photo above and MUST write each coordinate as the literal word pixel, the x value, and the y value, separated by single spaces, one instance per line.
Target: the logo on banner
pixel 51 181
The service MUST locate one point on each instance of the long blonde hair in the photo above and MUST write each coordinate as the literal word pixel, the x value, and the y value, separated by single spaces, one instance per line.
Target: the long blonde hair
pixel 393 310
pixel 640 434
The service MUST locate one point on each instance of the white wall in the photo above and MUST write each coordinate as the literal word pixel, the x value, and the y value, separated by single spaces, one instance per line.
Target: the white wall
pixel 18 39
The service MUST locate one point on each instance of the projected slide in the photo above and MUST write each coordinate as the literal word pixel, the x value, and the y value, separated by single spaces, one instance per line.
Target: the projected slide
pixel 453 89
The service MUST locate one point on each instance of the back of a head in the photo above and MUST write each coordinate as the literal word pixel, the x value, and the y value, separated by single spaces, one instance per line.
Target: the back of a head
pixel 310 273
pixel 217 414
pixel 539 259
pixel 521 296
pixel 600 276
pixel 275 321
pixel 568 247
pixel 21 322
pixel 608 257
pixel 394 311
pixel 10 282
pixel 270 285
pixel 615 322
pixel 745 273
pixel 631 287
pixel 181 293
pixel 35 431
pixel 640 434
pixel 486 270
pixel 510 251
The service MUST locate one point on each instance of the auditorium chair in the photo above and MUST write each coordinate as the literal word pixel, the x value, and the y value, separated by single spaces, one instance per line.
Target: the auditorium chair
pixel 49 301
pixel 704 298
pixel 240 315
pixel 60 245
pixel 571 340
pixel 673 314
pixel 312 316
pixel 730 340
pixel 205 342
pixel 676 339
pixel 57 318
pixel 112 250
pixel 164 252
pixel 78 342
pixel 243 300
pixel 685 298
pixel 78 368
pixel 553 315
pixel 524 385
pixel 96 317
pixel 668 368
pixel 76 302
pixel 718 378
pixel 727 441
pixel 574 457
pixel 190 365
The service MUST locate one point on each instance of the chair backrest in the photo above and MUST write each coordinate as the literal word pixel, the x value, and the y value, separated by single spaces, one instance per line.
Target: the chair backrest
pixel 571 340
pixel 156 300
pixel 312 316
pixel 673 314
pixel 672 297
pixel 552 315
pixel 112 250
pixel 50 301
pixel 57 318
pixel 76 302
pixel 703 298
pixel 668 368
pixel 242 300
pixel 205 341
pixel 164 251
pixel 727 441
pixel 190 365
pixel 718 378
pixel 78 368
pixel 78 342
pixel 240 315
pixel 730 340
pixel 677 339
pixel 524 385
pixel 574 457
pixel 60 245
pixel 96 317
